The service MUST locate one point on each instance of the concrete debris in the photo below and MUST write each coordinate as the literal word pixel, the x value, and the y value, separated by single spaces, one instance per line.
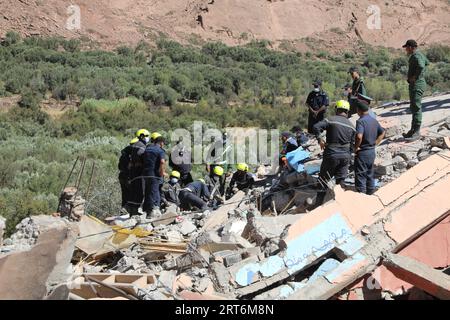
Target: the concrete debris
pixel 71 204
pixel 276 241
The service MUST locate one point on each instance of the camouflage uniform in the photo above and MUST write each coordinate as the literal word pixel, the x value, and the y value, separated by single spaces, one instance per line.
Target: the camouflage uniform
pixel 417 85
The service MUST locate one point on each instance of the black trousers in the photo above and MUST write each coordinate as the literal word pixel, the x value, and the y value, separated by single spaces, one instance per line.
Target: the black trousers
pixel 335 165
pixel 189 200
pixel 312 121
pixel 124 187
pixel 364 171
pixel 136 193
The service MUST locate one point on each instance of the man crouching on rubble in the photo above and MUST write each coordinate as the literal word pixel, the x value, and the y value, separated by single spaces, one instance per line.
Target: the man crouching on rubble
pixel 369 134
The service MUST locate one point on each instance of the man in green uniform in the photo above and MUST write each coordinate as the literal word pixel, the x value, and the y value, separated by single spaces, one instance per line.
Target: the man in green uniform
pixel 417 85
pixel 357 88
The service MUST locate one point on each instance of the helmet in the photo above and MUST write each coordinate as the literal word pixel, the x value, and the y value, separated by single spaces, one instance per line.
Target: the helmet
pixel 134 140
pixel 155 135
pixel 175 174
pixel 242 167
pixel 143 132
pixel 218 170
pixel 343 104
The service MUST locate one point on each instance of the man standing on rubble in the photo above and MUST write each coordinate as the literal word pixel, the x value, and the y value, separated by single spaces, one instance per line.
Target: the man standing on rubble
pixel 357 90
pixel 417 84
pixel 154 173
pixel 340 138
pixel 317 102
pixel 369 134
pixel 137 184
pixel 195 195
pixel 124 172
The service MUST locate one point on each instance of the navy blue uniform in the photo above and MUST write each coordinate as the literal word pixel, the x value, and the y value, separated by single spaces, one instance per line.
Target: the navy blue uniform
pixel 365 157
pixel 340 141
pixel 152 163
pixel 194 195
pixel 315 101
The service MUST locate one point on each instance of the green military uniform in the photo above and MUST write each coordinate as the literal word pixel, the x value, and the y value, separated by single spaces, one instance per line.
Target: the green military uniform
pixel 358 87
pixel 417 85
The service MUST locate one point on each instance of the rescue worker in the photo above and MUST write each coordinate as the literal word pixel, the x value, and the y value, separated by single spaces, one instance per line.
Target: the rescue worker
pixel 195 195
pixel 300 136
pixel 357 89
pixel 153 136
pixel 136 166
pixel 217 153
pixel 124 172
pixel 317 102
pixel 369 134
pixel 289 143
pixel 241 180
pixel 417 85
pixel 340 139
pixel 216 183
pixel 180 160
pixel 154 173
pixel 171 189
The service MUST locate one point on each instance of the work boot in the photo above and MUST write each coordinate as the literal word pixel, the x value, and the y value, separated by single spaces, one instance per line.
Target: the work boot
pixel 156 213
pixel 408 134
pixel 415 134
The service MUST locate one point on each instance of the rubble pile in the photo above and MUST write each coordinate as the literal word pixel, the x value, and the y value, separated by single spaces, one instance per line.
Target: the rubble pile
pixel 273 242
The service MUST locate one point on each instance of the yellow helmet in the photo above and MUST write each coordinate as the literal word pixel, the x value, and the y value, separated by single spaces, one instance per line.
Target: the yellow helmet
pixel 343 104
pixel 155 135
pixel 134 140
pixel 175 174
pixel 143 132
pixel 242 167
pixel 218 170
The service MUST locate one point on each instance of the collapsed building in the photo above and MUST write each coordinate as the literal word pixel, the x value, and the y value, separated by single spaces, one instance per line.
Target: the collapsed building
pixel 274 242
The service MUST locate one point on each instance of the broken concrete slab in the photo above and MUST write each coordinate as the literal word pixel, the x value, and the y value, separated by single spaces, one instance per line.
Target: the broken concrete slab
pixel 261 229
pixel 420 275
pixel 220 216
pixel 36 273
pixel 187 227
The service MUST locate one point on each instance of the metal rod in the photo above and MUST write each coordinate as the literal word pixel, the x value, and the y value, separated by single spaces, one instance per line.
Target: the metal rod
pixel 65 184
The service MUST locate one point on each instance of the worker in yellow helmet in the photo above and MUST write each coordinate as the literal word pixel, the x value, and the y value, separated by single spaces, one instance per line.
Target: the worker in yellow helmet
pixel 124 172
pixel 242 179
pixel 171 189
pixel 136 167
pixel 216 183
pixel 153 136
pixel 338 146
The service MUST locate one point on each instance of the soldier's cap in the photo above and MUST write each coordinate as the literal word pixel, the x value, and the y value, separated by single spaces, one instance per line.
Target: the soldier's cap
pixel 410 43
pixel 353 69
pixel 317 82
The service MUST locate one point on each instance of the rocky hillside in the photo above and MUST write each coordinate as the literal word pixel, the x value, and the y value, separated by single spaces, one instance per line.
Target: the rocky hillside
pixel 299 24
